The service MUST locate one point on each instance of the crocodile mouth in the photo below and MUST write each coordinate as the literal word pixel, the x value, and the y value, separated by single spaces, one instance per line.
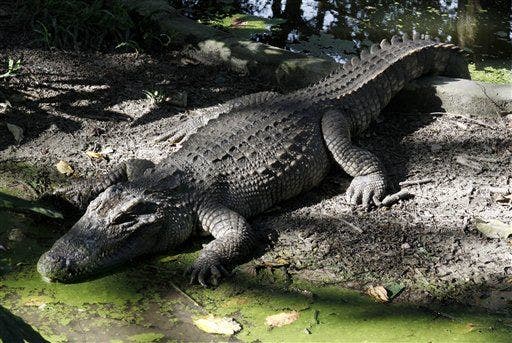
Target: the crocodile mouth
pixel 70 261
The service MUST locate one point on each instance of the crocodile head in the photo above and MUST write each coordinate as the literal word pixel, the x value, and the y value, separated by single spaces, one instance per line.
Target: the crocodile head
pixel 121 224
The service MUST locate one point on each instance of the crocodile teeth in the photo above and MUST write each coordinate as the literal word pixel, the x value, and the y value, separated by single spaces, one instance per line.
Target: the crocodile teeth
pixel 364 54
pixel 415 36
pixel 405 37
pixel 437 39
pixel 355 61
pixel 384 44
pixel 427 37
pixel 395 40
pixel 347 66
pixel 374 49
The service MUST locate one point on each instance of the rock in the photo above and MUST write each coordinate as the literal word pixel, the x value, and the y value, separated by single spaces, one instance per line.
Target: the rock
pixel 436 148
pixel 16 235
pixel 177 99
pixel 405 246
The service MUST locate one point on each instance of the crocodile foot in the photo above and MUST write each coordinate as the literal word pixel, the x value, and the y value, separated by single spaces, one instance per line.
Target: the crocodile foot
pixel 207 270
pixel 367 189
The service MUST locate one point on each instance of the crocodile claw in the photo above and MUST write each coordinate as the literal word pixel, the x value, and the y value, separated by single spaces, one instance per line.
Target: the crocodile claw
pixel 207 270
pixel 366 189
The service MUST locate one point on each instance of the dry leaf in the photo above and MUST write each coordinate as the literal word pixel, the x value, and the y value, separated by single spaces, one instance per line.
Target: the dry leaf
pixel 106 151
pixel 504 198
pixel 64 168
pixel 16 131
pixel 378 293
pixel 279 262
pixel 36 301
pixel 223 326
pixel 493 228
pixel 281 319
pixel 94 154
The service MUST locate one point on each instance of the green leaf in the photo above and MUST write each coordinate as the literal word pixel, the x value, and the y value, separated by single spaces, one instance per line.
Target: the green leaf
pixel 394 290
pixel 18 204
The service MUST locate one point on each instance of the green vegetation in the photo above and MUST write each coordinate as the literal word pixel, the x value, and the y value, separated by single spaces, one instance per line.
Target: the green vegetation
pixel 493 74
pixel 82 25
pixel 12 68
pixel 245 26
pixel 155 96
pixel 146 337
pixel 18 204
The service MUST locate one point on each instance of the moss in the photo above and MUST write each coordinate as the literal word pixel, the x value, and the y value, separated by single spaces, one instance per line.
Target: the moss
pixel 25 180
pixel 492 74
pixel 244 25
pixel 147 337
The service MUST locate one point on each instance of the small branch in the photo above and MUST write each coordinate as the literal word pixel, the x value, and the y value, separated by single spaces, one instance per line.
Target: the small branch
pixel 354 227
pixel 499 190
pixel 415 182
pixel 483 159
pixel 394 198
pixel 468 119
pixel 180 291
pixel 463 160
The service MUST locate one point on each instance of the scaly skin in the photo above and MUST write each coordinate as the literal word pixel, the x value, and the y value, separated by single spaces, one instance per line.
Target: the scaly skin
pixel 242 159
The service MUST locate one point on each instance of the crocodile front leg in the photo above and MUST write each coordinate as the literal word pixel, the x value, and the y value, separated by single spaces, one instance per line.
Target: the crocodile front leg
pixel 82 193
pixel 234 244
pixel 369 183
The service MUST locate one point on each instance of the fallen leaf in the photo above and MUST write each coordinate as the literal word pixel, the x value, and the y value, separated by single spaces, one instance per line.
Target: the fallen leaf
pixel 94 154
pixel 224 326
pixel 281 319
pixel 378 293
pixel 16 131
pixel 106 151
pixel 504 198
pixel 279 262
pixel 36 301
pixel 493 228
pixel 64 168
pixel 394 290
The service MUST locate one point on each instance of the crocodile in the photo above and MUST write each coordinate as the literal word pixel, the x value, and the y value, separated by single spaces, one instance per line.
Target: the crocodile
pixel 238 160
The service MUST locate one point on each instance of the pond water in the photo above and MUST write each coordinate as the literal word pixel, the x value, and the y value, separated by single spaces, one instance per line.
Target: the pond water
pixel 337 28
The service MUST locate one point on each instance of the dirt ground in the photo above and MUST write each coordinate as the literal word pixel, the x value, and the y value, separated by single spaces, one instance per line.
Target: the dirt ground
pixel 68 104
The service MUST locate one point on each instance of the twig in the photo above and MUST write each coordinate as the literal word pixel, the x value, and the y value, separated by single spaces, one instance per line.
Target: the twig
pixel 415 182
pixel 180 291
pixel 483 159
pixel 500 190
pixel 463 160
pixel 394 198
pixel 356 228
pixel 469 119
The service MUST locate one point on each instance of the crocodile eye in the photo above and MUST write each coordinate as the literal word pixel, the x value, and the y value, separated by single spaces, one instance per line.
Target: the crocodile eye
pixel 134 209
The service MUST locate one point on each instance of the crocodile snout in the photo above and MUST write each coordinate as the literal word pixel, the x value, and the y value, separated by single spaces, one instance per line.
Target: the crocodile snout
pixel 52 268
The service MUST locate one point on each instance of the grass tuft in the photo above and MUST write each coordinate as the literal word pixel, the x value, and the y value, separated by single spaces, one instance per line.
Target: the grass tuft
pixel 88 25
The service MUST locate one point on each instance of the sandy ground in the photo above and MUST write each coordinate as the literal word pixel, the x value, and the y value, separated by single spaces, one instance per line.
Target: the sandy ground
pixel 68 104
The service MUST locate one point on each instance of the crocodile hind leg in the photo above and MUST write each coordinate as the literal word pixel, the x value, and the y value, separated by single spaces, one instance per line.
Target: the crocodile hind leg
pixel 200 117
pixel 81 194
pixel 234 244
pixel 369 183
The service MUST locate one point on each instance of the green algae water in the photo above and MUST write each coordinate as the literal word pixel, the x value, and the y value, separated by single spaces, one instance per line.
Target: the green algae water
pixel 140 303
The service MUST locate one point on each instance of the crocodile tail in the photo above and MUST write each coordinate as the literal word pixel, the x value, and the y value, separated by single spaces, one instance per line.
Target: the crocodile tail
pixel 366 84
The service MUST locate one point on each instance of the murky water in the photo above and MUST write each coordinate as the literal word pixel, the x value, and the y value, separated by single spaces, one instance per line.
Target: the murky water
pixel 336 28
